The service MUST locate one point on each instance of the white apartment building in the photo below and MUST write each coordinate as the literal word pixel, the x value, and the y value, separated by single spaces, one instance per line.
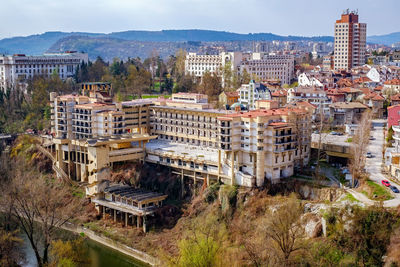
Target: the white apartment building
pixel 197 65
pixel 350 42
pixel 313 95
pixel 267 67
pixel 19 68
pixel 261 65
pixel 305 80
pixel 252 92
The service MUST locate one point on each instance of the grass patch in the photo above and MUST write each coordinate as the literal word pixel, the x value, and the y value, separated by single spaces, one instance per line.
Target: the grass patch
pixel 376 192
pixel 350 197
pixel 349 140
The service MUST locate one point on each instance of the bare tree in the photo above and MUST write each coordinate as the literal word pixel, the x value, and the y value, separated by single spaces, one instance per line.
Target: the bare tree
pixel 39 205
pixel 359 145
pixel 283 226
pixel 322 124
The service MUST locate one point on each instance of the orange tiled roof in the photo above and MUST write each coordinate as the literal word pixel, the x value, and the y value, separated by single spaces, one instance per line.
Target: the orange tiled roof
pixel 349 90
pixel 344 82
pixel 365 91
pixel 362 80
pixel 264 112
pixel 232 94
pixel 392 82
pixel 395 97
pixel 279 93
pixel 378 88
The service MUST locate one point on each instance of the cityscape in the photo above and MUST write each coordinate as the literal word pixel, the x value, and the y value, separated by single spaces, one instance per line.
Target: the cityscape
pixel 201 147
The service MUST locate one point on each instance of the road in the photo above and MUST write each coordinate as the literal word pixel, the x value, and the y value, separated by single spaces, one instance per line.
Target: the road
pixel 373 167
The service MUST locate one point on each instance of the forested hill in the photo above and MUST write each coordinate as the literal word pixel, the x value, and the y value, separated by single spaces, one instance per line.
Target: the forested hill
pixel 40 43
pixel 140 43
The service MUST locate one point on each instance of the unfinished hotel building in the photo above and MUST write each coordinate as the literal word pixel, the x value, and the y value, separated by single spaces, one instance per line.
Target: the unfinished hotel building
pixel 183 133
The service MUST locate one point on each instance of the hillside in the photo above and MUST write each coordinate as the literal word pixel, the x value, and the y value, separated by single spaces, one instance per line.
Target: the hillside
pixel 109 48
pixel 140 43
pixel 386 39
pixel 33 44
pixel 40 43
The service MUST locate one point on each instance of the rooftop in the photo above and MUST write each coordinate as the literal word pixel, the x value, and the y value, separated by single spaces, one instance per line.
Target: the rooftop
pixel 348 105
pixel 183 150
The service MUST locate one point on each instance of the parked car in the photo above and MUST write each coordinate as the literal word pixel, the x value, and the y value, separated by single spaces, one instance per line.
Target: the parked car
pixel 386 183
pixel 371 138
pixel 394 189
pixel 369 155
pixel 334 133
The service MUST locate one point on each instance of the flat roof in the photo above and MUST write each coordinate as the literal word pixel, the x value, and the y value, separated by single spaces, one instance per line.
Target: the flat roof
pixel 183 150
pixel 331 139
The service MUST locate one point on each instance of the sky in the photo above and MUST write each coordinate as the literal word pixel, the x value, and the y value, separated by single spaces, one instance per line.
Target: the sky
pixel 283 17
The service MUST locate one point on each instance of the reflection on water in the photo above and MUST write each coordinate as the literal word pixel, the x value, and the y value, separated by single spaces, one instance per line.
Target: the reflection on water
pixel 100 255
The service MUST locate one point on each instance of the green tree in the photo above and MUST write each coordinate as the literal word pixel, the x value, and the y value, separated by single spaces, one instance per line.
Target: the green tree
pixel 202 246
pixel 9 248
pixel 210 85
pixel 69 253
pixel 138 81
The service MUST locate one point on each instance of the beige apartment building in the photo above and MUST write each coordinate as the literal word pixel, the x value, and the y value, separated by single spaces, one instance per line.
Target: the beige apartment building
pixel 184 133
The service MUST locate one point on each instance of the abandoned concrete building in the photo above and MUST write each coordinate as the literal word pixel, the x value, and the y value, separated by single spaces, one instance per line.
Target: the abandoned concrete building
pixel 183 133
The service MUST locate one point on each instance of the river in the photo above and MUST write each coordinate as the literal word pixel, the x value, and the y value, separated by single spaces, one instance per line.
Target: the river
pixel 100 255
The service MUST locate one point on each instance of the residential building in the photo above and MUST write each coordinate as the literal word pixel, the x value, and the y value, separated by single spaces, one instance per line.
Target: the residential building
pixel 313 95
pixel 280 96
pixel 266 67
pixel 395 100
pixel 327 63
pixel 393 116
pixel 375 102
pixel 228 98
pixel 335 96
pixel 196 65
pixel 17 69
pixel 250 93
pixel 343 113
pixel 183 133
pixel 391 87
pixel 304 80
pixel 350 41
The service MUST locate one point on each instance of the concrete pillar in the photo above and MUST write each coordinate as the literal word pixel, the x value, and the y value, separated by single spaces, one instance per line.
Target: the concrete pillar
pixel 104 212
pixel 194 177
pixel 139 220
pixel 208 180
pixel 182 184
pixel 232 168
pixel 219 163
pixel 77 170
pixel 126 219
pixel 144 224
pixel 115 215
pixel 260 168
pixel 69 160
pixel 133 220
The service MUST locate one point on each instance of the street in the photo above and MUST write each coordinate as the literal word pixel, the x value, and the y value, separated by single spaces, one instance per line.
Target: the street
pixel 373 165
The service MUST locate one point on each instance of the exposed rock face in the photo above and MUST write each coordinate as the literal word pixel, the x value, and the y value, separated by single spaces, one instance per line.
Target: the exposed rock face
pixel 312 193
pixel 312 225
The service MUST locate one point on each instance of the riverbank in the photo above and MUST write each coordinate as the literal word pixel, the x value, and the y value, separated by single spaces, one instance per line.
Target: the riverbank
pixel 124 249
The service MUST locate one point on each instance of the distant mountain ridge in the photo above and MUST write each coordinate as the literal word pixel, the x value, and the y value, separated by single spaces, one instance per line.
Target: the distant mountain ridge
pixel 39 43
pixel 386 39
pixel 124 43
